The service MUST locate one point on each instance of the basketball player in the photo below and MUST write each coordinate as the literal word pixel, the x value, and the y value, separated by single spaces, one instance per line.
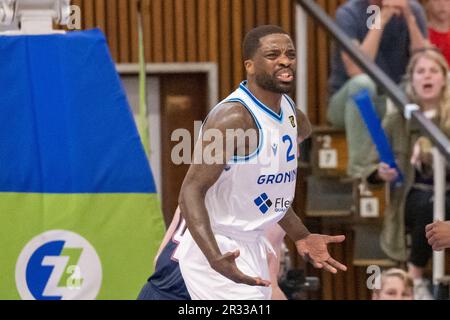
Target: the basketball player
pixel 230 204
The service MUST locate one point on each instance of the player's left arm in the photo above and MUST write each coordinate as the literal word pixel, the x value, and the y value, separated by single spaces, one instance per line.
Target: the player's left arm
pixel 311 247
pixel 304 127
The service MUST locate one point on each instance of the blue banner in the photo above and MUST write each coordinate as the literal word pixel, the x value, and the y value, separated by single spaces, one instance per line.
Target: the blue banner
pixel 364 102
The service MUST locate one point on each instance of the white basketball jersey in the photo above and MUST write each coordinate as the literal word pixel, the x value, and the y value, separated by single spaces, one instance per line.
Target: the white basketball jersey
pixel 255 191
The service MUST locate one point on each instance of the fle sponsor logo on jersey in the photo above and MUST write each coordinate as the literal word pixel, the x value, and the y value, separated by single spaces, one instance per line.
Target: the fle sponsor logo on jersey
pixel 58 265
pixel 282 205
pixel 264 203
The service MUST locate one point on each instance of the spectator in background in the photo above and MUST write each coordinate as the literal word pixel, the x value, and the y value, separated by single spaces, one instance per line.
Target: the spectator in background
pixel 402 30
pixel 412 203
pixel 396 284
pixel 439 25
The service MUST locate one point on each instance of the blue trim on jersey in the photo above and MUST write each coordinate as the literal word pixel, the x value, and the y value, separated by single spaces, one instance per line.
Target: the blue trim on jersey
pixel 261 138
pixel 270 112
pixel 291 103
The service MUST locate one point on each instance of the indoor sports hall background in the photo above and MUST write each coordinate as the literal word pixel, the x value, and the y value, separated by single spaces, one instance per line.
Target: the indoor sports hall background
pixel 78 190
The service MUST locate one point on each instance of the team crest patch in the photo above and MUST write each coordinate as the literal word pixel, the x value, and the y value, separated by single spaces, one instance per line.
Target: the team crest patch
pixel 292 121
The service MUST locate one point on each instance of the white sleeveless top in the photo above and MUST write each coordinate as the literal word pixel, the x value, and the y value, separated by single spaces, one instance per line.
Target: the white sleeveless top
pixel 255 191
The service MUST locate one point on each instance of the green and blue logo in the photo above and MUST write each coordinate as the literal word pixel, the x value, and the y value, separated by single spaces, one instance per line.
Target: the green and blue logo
pixel 58 265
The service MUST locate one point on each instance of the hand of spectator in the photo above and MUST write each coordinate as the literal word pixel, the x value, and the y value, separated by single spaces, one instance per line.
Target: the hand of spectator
pixel 390 8
pixel 386 173
pixel 421 154
pixel 314 249
pixel 402 6
pixel 438 235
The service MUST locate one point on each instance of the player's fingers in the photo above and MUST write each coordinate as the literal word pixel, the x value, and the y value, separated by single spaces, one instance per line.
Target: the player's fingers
pixel 230 255
pixel 262 282
pixel 335 239
pixel 304 255
pixel 336 264
pixel 328 267
pixel 256 281
pixel 308 258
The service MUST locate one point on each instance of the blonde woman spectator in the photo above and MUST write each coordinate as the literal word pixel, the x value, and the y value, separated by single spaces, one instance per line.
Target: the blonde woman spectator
pixel 396 284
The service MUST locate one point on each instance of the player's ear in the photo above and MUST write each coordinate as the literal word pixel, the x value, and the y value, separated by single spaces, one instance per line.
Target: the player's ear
pixel 249 66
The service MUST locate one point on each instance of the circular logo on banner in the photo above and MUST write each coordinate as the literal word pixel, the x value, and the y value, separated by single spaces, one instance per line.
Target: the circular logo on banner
pixel 58 265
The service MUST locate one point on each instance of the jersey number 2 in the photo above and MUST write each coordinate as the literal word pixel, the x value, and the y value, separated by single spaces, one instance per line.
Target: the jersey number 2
pixel 289 156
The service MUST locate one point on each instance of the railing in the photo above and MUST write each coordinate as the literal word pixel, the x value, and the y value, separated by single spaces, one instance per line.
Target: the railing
pixel 427 127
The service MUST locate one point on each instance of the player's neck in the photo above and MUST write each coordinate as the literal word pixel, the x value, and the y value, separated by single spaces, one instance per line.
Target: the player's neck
pixel 269 98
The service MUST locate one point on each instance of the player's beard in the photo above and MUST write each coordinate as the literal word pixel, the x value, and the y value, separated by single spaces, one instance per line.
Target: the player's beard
pixel 271 83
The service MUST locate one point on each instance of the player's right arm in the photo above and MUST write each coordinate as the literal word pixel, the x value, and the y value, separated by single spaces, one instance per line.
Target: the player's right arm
pixel 202 174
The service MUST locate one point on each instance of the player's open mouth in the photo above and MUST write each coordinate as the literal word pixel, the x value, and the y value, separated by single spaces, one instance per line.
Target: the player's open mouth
pixel 285 76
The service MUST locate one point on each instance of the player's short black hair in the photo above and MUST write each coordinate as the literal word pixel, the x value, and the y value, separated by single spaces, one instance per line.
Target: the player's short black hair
pixel 251 41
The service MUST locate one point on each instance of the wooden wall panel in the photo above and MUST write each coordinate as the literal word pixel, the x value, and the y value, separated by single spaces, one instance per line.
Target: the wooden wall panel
pixel 249 15
pixel 88 13
pixel 261 12
pixel 191 27
pixel 124 36
pixel 202 35
pixel 147 26
pixel 274 12
pixel 286 14
pixel 225 62
pixel 238 74
pixel 156 17
pixel 133 31
pixel 112 29
pixel 169 30
pixel 186 30
pixel 100 14
pixel 213 27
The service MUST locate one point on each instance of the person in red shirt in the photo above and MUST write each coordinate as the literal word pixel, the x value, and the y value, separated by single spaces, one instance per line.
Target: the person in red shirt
pixel 439 25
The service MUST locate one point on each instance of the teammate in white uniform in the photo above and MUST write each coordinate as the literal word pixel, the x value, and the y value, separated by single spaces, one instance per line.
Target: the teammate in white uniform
pixel 228 205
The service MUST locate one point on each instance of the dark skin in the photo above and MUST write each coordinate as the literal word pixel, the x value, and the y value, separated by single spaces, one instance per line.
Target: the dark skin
pixel 276 57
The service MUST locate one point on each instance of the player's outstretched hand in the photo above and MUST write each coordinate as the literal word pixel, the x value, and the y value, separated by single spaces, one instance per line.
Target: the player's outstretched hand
pixel 226 266
pixel 314 249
